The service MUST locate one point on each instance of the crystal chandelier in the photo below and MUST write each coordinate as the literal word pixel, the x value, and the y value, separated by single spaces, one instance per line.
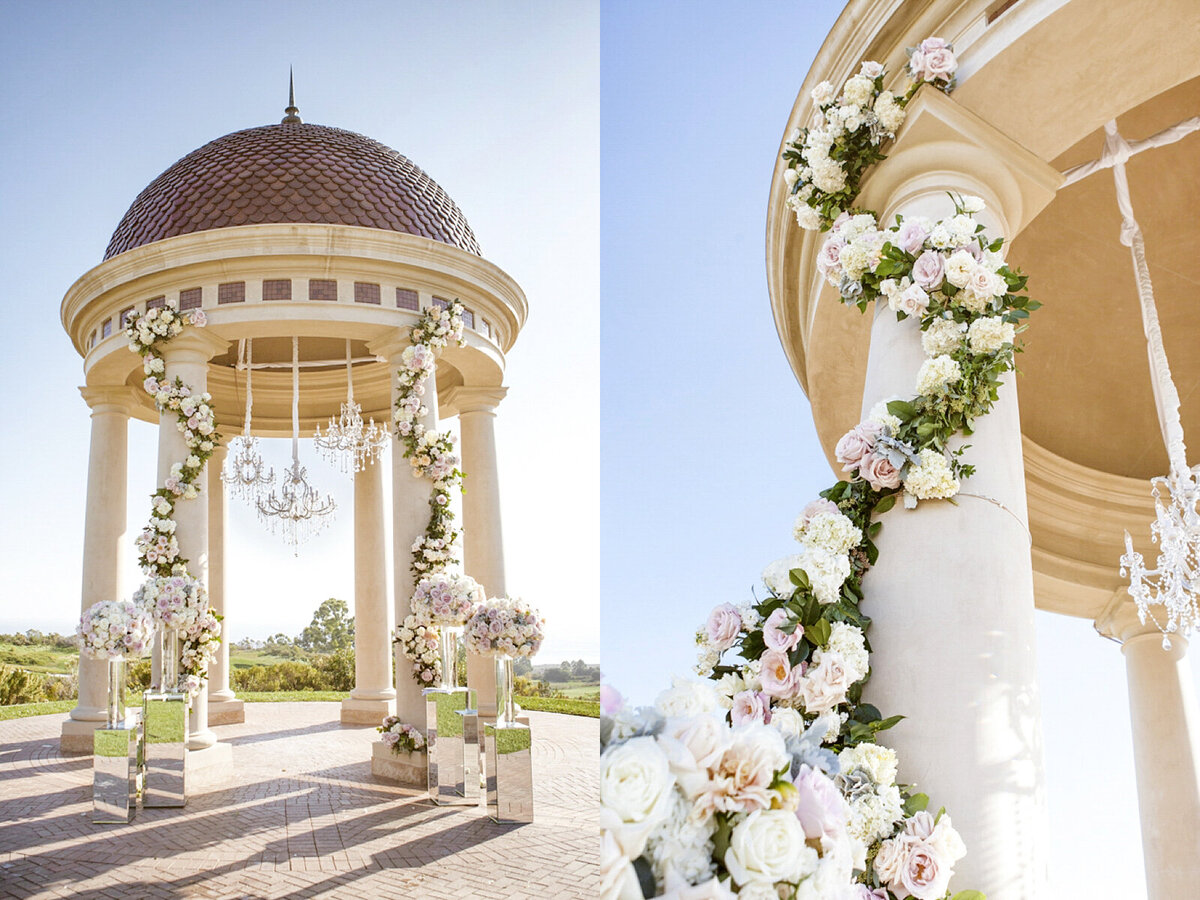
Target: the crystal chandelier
pixel 245 473
pixel 1172 584
pixel 348 443
pixel 296 509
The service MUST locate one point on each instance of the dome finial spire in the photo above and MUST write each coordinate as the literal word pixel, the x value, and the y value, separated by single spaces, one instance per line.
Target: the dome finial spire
pixel 291 118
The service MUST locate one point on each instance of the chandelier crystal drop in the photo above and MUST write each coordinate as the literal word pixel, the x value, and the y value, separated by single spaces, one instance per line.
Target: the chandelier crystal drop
pixel 245 474
pixel 296 510
pixel 349 444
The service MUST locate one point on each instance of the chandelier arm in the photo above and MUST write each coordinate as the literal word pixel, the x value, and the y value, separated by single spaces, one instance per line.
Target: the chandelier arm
pixel 1166 397
pixel 295 400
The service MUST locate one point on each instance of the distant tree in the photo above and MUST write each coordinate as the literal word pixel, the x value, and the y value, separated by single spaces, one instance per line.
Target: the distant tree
pixel 331 628
pixel 522 666
pixel 578 667
pixel 556 673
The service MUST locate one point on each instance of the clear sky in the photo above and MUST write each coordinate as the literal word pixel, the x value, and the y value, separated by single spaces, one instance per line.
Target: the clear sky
pixel 498 102
pixel 708 449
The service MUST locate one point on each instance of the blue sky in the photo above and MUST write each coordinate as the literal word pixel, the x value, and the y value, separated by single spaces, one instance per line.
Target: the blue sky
pixel 499 103
pixel 708 450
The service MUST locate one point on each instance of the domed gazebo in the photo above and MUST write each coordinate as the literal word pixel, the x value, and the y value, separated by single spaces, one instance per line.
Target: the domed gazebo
pixel 276 232
pixel 1065 472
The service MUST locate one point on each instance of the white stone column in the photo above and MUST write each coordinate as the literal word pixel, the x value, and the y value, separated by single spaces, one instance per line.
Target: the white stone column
pixel 951 596
pixel 410 515
pixel 1166 749
pixel 187 356
pixel 373 696
pixel 223 707
pixel 103 543
pixel 483 539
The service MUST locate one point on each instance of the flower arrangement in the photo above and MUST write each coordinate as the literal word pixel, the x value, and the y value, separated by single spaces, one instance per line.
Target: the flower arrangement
pixel 418 640
pixel 447 598
pixel 970 306
pixel 697 799
pixel 506 627
pixel 400 737
pixel 174 597
pixel 828 159
pixel 432 455
pixel 115 629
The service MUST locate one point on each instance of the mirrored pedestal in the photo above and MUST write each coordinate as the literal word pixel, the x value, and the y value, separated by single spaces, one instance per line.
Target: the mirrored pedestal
pixel 508 749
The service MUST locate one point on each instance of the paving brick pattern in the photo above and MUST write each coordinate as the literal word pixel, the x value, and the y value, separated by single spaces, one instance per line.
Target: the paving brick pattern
pixel 301 816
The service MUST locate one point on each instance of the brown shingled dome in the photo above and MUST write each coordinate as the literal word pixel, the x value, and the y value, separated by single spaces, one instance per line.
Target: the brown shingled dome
pixel 293 172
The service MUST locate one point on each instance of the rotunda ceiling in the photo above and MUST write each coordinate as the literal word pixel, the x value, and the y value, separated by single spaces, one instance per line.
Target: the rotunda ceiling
pixel 292 172
pixel 1085 389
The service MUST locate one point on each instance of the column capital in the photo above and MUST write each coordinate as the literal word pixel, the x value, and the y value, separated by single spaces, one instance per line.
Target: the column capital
pixel 109 398
pixel 392 344
pixel 193 345
pixel 474 398
pixel 943 146
pixel 1119 621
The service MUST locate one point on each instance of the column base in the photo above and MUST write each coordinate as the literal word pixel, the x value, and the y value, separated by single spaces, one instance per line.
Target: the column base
pixel 366 712
pixel 208 767
pixel 408 769
pixel 201 740
pixel 226 712
pixel 76 738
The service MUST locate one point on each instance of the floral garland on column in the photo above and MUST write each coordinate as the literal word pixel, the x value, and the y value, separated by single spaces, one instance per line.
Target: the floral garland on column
pixel 172 595
pixel 788 794
pixel 433 456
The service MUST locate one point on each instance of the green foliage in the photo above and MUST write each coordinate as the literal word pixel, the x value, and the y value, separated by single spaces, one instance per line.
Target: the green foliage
pixel 331 629
pixel 287 676
pixel 337 669
pixel 522 665
pixel 19 686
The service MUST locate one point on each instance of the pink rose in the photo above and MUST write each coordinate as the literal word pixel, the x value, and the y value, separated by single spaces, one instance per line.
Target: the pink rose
pixel 929 270
pixel 817 507
pixel 829 259
pixel 913 301
pixel 825 686
pixel 937 60
pixel 879 472
pixel 923 876
pixel 911 237
pixel 871 69
pixel 777 675
pixel 857 443
pixel 862 892
pixel 774 638
pixel 610 700
pixel 724 625
pixel 750 706
pixel 981 282
pixel 821 811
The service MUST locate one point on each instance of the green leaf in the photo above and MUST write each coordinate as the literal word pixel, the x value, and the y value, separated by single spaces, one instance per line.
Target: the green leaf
pixel 969 895
pixel 902 410
pixel 818 632
pixel 799 578
pixel 867 713
pixel 874 529
pixel 884 505
pixel 915 804
pixel 721 837
pixel 885 724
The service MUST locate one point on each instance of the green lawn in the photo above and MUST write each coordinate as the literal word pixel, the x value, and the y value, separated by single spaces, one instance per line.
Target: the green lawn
pixel 244 659
pixel 589 708
pixel 39 658
pixel 21 710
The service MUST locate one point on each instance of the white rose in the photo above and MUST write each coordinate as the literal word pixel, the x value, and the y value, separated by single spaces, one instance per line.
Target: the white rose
pixel 787 721
pixel 686 698
pixel 825 684
pixel 635 792
pixel 858 91
pixel 823 94
pixel 769 846
pixel 959 267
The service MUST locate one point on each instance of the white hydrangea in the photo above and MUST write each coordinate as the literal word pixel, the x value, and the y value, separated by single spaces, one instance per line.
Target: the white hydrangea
pixel 683 843
pixel 937 374
pixel 962 228
pixel 879 762
pixel 826 572
pixel 873 814
pixel 855 259
pixel 858 91
pixel 880 415
pixel 989 334
pixel 829 176
pixel 889 113
pixel 932 479
pixel 942 336
pixel 847 640
pixel 829 531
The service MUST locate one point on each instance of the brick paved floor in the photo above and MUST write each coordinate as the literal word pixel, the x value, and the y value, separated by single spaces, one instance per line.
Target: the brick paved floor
pixel 302 816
